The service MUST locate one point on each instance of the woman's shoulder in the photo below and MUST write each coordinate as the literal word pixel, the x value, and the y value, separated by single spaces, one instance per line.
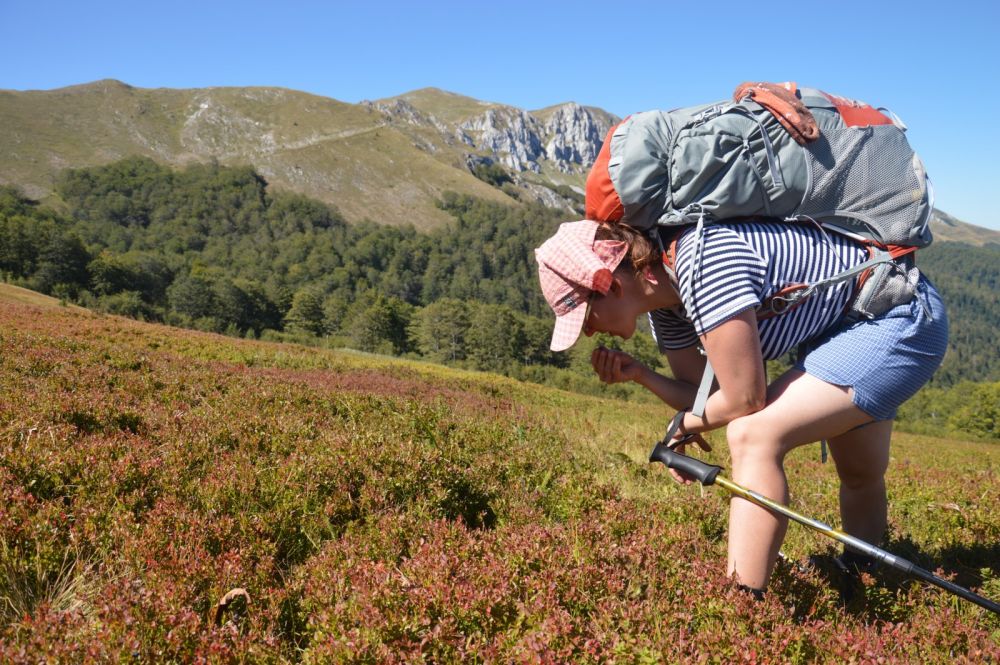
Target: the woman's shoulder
pixel 732 239
pixel 717 232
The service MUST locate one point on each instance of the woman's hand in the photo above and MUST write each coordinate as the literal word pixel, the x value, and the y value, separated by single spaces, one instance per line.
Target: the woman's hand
pixel 678 444
pixel 615 366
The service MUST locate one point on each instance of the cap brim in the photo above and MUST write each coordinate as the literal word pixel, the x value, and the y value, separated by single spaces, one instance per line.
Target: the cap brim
pixel 568 328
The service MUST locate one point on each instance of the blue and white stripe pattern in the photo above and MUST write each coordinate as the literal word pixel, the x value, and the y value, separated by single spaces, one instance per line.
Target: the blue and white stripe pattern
pixel 741 265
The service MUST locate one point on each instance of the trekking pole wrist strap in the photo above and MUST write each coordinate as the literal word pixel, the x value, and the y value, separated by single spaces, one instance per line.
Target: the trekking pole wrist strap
pixel 676 426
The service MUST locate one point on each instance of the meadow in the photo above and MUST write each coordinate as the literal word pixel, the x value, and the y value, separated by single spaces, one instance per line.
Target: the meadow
pixel 380 510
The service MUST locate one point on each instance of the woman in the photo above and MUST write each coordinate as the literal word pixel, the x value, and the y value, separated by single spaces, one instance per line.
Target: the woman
pixel 845 387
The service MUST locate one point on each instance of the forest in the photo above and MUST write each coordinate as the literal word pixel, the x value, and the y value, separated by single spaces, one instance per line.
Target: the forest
pixel 213 248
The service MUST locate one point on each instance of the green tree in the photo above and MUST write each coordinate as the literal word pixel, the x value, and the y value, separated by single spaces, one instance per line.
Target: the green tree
pixel 495 339
pixel 109 273
pixel 192 296
pixel 379 324
pixel 491 173
pixel 243 303
pixel 335 308
pixel 63 263
pixel 128 303
pixel 22 239
pixel 439 330
pixel 979 414
pixel 537 340
pixel 306 314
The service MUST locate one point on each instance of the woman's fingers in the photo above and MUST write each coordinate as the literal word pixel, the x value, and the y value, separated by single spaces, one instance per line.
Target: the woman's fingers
pixel 679 477
pixel 616 367
pixel 597 359
pixel 608 364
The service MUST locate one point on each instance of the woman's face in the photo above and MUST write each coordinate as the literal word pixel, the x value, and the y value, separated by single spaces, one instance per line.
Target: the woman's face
pixel 615 312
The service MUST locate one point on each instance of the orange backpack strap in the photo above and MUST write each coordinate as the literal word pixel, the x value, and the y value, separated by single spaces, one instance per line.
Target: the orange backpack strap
pixel 782 301
pixel 668 255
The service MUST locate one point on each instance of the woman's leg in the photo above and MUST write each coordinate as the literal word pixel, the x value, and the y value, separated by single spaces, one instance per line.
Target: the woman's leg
pixel 801 409
pixel 862 456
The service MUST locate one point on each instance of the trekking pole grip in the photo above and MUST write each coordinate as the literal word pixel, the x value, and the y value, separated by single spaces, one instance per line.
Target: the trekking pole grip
pixel 704 473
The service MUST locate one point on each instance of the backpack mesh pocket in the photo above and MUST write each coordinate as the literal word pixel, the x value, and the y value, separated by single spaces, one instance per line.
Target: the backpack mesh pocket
pixel 890 284
pixel 870 174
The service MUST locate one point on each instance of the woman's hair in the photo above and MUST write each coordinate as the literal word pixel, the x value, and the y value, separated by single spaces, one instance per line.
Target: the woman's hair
pixel 641 250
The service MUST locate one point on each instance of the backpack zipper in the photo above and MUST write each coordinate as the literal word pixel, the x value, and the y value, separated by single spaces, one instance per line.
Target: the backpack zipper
pixel 772 161
pixel 748 155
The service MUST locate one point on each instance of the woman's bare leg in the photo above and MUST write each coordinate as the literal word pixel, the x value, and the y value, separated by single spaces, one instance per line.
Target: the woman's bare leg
pixel 862 457
pixel 801 409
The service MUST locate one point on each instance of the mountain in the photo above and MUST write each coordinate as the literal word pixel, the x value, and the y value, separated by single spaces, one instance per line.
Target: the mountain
pixel 950 229
pixel 387 160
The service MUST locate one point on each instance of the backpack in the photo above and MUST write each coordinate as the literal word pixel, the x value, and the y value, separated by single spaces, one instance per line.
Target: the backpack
pixel 846 167
pixel 775 151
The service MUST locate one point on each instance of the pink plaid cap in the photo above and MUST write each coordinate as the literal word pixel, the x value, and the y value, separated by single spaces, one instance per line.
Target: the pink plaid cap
pixel 571 265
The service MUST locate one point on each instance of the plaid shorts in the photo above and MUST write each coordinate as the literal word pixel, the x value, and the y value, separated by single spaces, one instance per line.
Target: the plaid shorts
pixel 886 359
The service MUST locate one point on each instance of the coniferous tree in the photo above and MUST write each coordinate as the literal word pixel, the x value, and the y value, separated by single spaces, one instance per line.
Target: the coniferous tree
pixel 495 339
pixel 439 330
pixel 306 314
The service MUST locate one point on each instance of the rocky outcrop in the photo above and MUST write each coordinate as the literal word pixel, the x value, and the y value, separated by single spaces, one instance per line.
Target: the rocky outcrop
pixel 569 138
pixel 574 137
pixel 510 134
pixel 401 111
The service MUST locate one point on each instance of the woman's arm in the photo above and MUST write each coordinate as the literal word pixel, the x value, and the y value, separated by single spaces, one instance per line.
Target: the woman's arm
pixel 618 366
pixel 733 348
pixel 687 365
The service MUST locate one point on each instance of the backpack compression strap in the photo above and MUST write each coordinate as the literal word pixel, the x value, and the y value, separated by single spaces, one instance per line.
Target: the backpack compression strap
pixel 793 296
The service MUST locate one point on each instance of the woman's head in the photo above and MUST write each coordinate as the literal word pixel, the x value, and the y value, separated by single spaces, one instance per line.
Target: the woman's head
pixel 579 263
pixel 642 254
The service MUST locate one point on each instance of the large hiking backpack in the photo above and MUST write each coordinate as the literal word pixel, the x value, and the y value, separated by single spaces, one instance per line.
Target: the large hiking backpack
pixel 856 175
pixel 775 151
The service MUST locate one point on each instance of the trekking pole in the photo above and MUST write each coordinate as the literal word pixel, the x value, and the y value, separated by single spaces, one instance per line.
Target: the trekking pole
pixel 708 474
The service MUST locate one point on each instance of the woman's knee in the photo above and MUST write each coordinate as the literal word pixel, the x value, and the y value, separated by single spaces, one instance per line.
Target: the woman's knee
pixel 857 477
pixel 862 455
pixel 749 441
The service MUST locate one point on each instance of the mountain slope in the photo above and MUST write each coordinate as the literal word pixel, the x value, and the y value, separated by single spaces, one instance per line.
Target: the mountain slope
pixel 950 229
pixel 387 161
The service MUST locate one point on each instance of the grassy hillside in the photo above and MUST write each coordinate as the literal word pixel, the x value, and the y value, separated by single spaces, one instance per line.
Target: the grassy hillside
pixel 446 106
pixel 951 229
pixel 336 152
pixel 377 510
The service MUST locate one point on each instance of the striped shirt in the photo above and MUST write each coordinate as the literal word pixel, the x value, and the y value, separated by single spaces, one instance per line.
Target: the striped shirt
pixel 741 265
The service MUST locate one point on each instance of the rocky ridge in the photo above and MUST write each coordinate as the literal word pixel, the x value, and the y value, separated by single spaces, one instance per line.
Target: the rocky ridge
pixel 567 136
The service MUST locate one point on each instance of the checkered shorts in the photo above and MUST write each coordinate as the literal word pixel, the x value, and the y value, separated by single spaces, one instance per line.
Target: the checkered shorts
pixel 885 359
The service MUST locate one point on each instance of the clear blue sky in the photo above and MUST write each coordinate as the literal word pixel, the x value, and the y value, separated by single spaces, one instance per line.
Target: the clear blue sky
pixel 936 64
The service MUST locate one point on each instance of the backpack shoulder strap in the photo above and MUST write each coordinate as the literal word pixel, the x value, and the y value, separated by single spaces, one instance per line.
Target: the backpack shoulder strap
pixel 707 378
